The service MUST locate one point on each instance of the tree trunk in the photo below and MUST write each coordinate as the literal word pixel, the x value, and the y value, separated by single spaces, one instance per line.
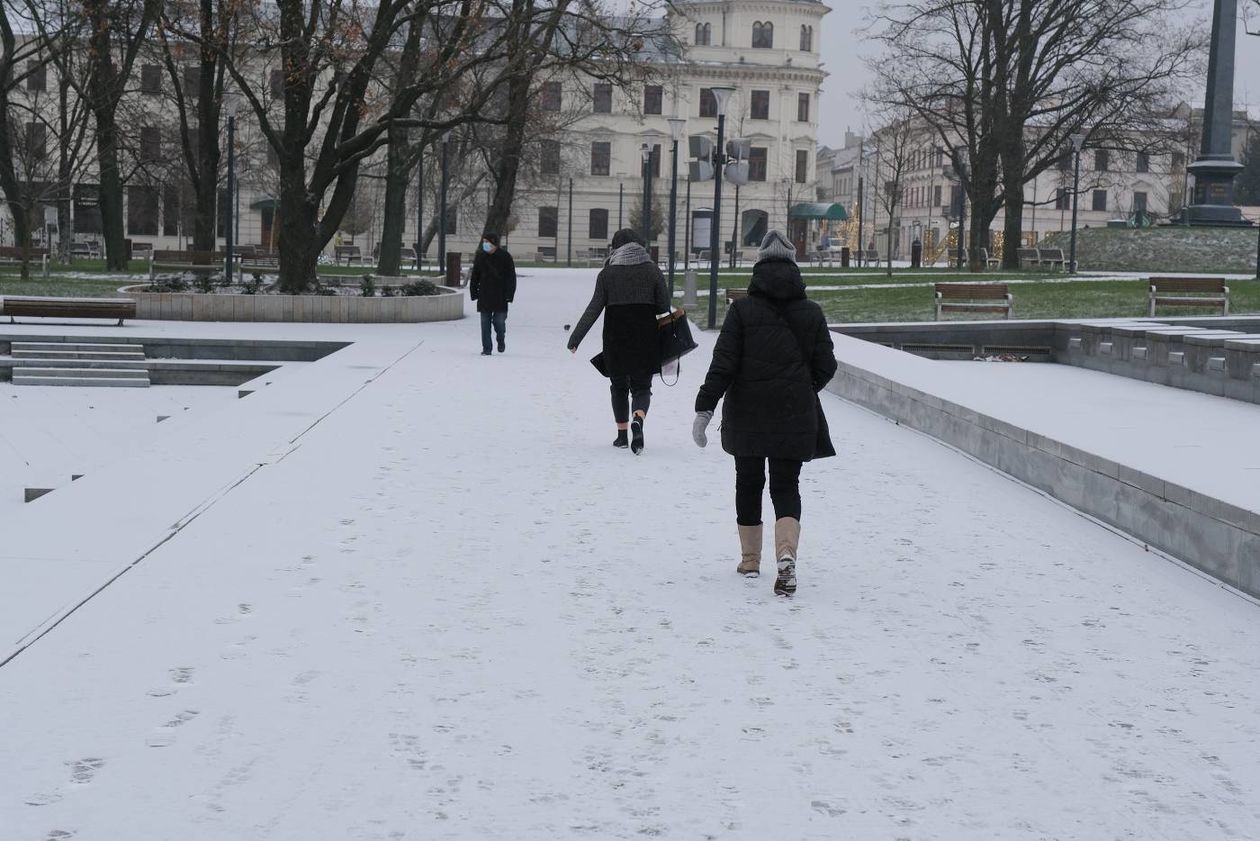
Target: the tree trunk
pixel 299 246
pixel 509 163
pixel 111 191
pixel 396 176
pixel 205 220
pixel 12 188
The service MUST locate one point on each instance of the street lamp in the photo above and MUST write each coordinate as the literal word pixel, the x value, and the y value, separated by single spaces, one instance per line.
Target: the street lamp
pixel 230 104
pixel 645 152
pixel 420 205
pixel 1078 143
pixel 721 95
pixel 446 136
pixel 677 128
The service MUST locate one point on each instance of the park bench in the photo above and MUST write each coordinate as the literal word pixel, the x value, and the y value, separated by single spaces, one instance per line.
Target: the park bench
pixel 733 295
pixel 349 253
pixel 870 257
pixel 989 261
pixel 596 256
pixel 39 307
pixel 1051 257
pixel 12 257
pixel 142 250
pixel 1189 292
pixel 258 264
pixel 545 254
pixel 972 297
pixel 195 262
pixel 89 249
pixel 1028 257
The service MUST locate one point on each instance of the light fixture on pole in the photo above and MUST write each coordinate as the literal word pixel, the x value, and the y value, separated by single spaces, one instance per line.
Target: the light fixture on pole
pixel 721 95
pixel 446 136
pixel 1078 143
pixel 230 105
pixel 677 127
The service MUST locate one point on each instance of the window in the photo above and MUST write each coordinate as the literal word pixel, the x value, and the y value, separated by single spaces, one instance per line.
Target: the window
pixel 142 211
pixel 548 222
pixel 192 81
pixel 549 159
pixel 151 79
pixel 170 210
pixel 653 97
pixel 802 108
pixel 807 39
pixel 549 96
pixel 760 105
pixel 277 83
pixel 598 227
pixel 704 34
pixel 452 220
pixel 708 103
pixel 757 163
pixel 36 77
pixel 603 98
pixel 1063 199
pixel 1178 160
pixel 601 157
pixel 763 35
pixel 36 141
pixel 1065 162
pixel 87 209
pixel 1100 200
pixel 802 166
pixel 1143 162
pixel 936 195
pixel 1139 202
pixel 1101 160
pixel 150 143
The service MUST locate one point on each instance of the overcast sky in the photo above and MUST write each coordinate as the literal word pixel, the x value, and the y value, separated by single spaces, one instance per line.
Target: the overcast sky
pixel 843 53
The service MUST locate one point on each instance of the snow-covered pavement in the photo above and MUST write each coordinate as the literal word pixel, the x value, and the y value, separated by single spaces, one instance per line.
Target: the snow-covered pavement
pixel 452 611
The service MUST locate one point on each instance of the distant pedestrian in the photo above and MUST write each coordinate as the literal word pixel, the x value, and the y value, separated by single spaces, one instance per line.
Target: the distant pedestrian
pixel 773 356
pixel 492 284
pixel 630 292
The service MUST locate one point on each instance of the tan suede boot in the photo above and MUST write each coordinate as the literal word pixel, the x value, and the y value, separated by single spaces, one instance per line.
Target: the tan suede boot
pixel 787 536
pixel 749 551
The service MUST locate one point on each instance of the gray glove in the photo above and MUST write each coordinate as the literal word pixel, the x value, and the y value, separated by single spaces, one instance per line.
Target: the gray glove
pixel 698 433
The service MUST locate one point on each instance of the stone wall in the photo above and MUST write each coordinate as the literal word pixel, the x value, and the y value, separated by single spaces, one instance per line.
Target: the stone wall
pixel 1162 249
pixel 448 305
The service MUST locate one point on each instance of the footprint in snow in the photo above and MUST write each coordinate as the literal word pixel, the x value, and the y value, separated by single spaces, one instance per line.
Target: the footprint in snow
pixel 83 770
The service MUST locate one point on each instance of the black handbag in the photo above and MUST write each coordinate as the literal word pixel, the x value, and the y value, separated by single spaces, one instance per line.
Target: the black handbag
pixel 674 331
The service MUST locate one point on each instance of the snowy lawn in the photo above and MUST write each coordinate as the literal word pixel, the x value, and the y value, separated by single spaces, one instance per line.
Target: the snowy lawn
pixel 452 611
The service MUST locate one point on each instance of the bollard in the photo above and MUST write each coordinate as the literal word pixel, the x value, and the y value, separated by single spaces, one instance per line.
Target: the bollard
pixel 845 255
pixel 916 254
pixel 689 290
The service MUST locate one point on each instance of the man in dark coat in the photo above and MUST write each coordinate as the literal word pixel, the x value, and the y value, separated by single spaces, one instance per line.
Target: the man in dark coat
pixel 492 284
pixel 630 292
pixel 773 356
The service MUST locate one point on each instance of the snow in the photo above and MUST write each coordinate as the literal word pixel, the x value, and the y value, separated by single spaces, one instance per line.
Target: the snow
pixel 409 592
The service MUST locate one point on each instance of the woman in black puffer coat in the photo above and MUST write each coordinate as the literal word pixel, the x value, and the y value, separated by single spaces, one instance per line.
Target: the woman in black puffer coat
pixel 630 292
pixel 773 356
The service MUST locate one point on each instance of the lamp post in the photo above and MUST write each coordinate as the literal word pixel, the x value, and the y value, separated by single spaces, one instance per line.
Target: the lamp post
pixel 1078 143
pixel 446 136
pixel 677 126
pixel 230 105
pixel 721 95
pixel 420 207
pixel 645 152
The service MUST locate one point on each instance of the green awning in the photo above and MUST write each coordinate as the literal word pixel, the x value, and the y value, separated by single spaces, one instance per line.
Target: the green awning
pixel 819 210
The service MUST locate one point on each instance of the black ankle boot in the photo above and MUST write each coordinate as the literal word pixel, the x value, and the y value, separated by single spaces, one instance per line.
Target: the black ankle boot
pixel 636 435
pixel 623 439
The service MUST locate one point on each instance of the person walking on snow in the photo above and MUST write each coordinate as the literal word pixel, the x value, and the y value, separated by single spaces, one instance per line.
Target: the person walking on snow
pixel 630 292
pixel 771 359
pixel 492 284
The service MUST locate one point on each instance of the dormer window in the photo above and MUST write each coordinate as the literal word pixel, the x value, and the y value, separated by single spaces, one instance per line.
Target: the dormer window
pixel 807 39
pixel 704 34
pixel 763 35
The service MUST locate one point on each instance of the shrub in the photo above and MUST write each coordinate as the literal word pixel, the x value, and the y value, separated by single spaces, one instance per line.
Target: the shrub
pixel 367 287
pixel 420 287
pixel 169 283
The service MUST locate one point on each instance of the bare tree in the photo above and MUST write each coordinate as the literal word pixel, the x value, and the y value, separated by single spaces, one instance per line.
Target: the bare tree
pixel 893 148
pixel 19 56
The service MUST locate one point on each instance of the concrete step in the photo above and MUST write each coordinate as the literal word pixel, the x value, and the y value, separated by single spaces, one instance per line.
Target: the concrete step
pixel 117 377
pixel 76 354
pixel 53 362
pixel 80 346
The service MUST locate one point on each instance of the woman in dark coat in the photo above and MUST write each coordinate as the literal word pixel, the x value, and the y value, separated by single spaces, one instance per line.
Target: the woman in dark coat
pixel 492 284
pixel 630 292
pixel 773 356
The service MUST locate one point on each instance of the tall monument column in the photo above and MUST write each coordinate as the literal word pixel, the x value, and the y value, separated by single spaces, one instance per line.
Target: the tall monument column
pixel 1214 171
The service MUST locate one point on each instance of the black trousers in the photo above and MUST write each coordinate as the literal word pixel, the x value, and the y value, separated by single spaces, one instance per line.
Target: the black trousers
pixel 750 482
pixel 625 388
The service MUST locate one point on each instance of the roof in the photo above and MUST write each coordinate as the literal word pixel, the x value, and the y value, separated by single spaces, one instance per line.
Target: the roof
pixel 819 210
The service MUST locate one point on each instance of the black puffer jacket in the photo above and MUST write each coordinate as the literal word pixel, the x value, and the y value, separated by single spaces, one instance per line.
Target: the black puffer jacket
pixel 492 281
pixel 773 356
pixel 630 292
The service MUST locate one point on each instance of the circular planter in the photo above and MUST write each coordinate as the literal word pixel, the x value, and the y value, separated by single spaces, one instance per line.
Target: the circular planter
pixel 447 305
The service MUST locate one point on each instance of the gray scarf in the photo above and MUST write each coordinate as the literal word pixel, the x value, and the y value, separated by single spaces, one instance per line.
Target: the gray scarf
pixel 630 254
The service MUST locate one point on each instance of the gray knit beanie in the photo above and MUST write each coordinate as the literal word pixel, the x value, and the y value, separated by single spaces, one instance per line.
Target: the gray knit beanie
pixel 776 247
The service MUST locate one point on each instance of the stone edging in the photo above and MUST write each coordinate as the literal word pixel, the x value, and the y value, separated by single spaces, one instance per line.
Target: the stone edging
pixel 1220 539
pixel 448 305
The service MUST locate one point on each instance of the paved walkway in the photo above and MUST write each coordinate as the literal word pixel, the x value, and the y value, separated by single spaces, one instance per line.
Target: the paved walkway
pixel 431 602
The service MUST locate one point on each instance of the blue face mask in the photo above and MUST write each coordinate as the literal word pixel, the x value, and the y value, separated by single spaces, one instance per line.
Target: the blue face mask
pixel 487 247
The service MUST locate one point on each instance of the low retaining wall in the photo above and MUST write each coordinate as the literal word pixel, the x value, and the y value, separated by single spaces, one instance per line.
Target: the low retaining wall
pixel 448 305
pixel 1220 539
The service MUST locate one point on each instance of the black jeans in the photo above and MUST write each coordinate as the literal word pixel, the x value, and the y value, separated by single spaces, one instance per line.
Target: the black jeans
pixel 750 482
pixel 623 388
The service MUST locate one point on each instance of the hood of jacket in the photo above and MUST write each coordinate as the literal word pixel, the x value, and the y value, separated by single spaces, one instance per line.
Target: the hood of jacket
pixel 630 254
pixel 778 280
